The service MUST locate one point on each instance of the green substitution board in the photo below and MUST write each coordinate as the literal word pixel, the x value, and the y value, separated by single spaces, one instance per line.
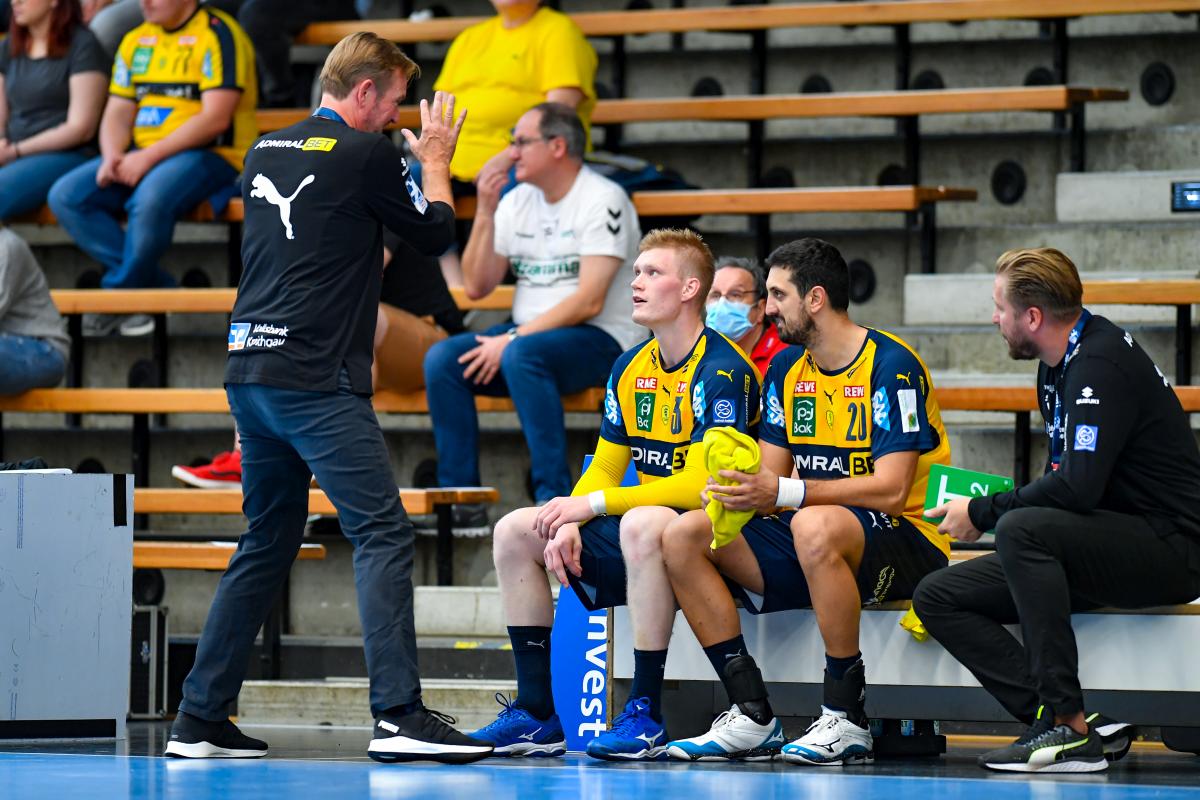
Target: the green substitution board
pixel 951 483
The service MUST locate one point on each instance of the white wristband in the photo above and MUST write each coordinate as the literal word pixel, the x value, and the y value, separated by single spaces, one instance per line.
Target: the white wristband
pixel 791 493
pixel 596 501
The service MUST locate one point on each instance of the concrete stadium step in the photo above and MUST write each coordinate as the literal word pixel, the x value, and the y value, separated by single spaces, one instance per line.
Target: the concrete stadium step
pixel 979 352
pixel 345 701
pixel 1125 196
pixel 1099 247
pixel 966 298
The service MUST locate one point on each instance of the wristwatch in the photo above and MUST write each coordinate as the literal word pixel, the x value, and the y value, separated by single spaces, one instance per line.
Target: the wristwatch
pixel 513 333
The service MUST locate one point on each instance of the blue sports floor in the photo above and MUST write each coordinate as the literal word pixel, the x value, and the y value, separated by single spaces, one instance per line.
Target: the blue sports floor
pixel 330 763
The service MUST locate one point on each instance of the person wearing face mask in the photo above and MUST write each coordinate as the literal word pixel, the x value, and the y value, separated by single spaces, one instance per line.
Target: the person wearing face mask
pixel 737 306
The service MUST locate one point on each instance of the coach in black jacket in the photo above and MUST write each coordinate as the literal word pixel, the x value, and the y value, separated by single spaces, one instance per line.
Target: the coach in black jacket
pixel 317 196
pixel 1114 521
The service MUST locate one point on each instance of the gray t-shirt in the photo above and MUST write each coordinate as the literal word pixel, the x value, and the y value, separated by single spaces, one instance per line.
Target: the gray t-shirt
pixel 26 308
pixel 38 90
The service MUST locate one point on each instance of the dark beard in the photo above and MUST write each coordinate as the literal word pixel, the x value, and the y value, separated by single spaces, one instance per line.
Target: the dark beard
pixel 803 334
pixel 1022 351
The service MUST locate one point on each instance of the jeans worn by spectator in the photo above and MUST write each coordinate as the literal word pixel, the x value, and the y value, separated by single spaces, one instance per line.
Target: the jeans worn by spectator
pixel 29 363
pixel 25 182
pixel 130 255
pixel 535 371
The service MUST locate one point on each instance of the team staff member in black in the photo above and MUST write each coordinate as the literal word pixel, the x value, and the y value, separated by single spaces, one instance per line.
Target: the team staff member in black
pixel 1114 521
pixel 318 195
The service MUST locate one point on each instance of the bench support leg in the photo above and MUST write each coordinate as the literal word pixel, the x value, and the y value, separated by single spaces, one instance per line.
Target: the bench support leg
pixel 160 348
pixel 910 133
pixel 233 253
pixel 613 133
pixel 75 372
pixel 927 229
pixel 1021 445
pixel 903 56
pixel 1183 345
pixel 1060 53
pixel 140 459
pixel 270 660
pixel 1078 138
pixel 445 546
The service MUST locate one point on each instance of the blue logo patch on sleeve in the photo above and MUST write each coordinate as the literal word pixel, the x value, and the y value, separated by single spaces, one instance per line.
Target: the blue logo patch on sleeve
pixel 881 409
pixel 1085 437
pixel 238 333
pixel 723 412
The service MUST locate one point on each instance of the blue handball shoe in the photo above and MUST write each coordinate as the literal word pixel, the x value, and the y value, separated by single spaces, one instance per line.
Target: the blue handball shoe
pixel 634 736
pixel 515 732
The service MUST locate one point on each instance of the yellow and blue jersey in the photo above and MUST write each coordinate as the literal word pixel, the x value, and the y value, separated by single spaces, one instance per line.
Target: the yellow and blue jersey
pixel 660 410
pixel 166 72
pixel 838 424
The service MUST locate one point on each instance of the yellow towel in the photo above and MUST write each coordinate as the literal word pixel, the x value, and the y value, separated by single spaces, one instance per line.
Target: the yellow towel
pixel 728 448
pixel 912 623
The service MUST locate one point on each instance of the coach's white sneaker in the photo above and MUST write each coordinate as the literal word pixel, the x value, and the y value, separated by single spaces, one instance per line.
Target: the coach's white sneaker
pixel 732 737
pixel 831 741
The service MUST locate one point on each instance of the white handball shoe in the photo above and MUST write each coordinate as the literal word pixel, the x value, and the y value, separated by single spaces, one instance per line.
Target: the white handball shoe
pixel 831 741
pixel 732 737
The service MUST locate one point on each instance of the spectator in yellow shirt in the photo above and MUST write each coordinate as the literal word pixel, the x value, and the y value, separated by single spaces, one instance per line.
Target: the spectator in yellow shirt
pixel 179 118
pixel 501 68
pixel 498 70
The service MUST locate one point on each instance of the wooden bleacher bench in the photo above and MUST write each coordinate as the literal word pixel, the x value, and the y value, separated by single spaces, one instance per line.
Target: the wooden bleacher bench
pixel 416 501
pixel 213 401
pixel 201 555
pixel 229 501
pixel 212 301
pixel 761 17
pixel 744 108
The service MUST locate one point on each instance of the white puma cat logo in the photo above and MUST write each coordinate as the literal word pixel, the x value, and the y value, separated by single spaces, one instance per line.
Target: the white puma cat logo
pixel 265 189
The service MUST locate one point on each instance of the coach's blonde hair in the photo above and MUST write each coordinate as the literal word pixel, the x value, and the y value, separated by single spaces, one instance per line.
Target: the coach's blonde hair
pixel 695 257
pixel 360 56
pixel 1042 277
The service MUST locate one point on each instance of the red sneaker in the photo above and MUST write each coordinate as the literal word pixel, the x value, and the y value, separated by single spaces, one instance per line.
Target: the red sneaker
pixel 225 472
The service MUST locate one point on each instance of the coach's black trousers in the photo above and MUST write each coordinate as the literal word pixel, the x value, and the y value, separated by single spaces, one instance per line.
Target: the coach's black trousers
pixel 1048 564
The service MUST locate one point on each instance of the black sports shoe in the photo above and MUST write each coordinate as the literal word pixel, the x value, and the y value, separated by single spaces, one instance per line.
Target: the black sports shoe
pixel 1059 749
pixel 192 737
pixel 1117 736
pixel 424 735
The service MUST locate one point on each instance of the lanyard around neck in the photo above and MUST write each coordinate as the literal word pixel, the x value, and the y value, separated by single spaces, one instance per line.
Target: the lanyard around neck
pixel 1057 434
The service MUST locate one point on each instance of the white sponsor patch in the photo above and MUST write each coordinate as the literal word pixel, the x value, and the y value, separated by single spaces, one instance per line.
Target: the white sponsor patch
pixel 910 421
pixel 723 412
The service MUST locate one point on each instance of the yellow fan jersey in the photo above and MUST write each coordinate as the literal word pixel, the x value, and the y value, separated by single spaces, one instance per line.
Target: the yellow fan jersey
pixel 838 424
pixel 166 72
pixel 655 414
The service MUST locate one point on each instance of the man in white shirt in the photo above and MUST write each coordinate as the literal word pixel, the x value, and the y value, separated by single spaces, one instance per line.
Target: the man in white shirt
pixel 567 234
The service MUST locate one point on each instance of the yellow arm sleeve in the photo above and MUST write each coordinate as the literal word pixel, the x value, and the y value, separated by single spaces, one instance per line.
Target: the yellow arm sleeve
pixel 681 490
pixel 606 470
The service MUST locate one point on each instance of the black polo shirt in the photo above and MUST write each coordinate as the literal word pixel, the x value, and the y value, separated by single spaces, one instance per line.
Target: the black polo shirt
pixel 1127 445
pixel 318 195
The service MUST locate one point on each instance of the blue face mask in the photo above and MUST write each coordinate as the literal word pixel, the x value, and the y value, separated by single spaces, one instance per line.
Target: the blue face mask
pixel 729 318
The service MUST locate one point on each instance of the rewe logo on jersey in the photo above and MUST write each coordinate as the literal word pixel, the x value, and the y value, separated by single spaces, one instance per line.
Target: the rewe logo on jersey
pixel 265 189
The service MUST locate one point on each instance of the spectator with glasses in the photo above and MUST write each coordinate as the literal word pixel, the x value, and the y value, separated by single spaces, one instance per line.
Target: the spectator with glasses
pixel 737 308
pixel 568 235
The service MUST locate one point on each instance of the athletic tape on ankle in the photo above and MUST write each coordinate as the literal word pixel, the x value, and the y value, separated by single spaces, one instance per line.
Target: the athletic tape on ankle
pixel 791 493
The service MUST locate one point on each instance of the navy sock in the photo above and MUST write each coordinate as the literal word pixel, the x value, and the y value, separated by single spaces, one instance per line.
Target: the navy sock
pixel 531 651
pixel 837 667
pixel 720 653
pixel 648 669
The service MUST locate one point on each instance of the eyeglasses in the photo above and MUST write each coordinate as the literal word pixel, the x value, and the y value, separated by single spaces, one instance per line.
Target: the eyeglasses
pixel 520 142
pixel 735 296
